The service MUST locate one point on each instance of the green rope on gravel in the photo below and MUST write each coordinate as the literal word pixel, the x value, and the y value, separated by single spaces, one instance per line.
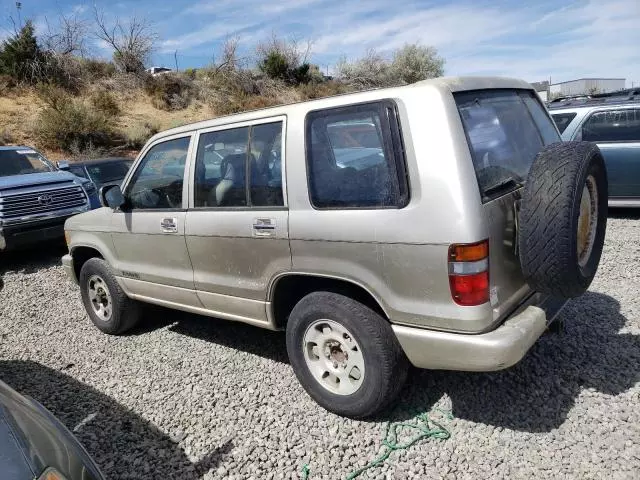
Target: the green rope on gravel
pixel 425 426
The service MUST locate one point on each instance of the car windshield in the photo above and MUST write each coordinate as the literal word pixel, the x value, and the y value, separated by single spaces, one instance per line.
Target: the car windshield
pixel 108 171
pixel 22 162
pixel 506 130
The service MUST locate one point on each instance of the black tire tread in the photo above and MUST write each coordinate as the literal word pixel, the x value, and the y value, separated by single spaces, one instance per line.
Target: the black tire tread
pixel 546 217
pixel 126 311
pixel 391 362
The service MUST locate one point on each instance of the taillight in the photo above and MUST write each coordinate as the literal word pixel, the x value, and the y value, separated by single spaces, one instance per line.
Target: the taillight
pixel 469 273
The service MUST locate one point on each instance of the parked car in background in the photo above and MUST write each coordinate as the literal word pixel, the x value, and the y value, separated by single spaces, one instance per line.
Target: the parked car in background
pixel 155 71
pixel 409 225
pixel 34 444
pixel 101 172
pixel 613 123
pixel 36 197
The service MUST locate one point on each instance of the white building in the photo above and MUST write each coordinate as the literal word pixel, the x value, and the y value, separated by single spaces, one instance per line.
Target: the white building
pixel 587 85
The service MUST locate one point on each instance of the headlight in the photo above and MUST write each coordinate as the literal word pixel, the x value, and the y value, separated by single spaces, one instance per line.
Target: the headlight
pixel 67 238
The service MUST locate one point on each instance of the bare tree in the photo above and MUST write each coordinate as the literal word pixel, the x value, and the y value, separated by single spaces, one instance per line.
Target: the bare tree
pixel 229 59
pixel 67 37
pixel 132 42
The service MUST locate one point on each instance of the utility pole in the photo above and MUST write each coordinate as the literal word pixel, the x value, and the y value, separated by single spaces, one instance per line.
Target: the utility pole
pixel 18 8
pixel 175 56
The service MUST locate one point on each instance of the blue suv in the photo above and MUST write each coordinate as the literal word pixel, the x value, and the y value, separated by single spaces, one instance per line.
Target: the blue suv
pixel 36 198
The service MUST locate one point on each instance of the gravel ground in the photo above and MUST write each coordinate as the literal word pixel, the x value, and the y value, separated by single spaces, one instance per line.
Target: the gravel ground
pixel 187 397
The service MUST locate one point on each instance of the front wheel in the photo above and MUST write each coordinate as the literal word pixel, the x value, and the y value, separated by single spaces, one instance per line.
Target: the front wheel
pixel 107 305
pixel 345 355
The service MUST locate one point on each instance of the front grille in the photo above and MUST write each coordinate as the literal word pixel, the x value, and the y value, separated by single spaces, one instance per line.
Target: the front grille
pixel 41 201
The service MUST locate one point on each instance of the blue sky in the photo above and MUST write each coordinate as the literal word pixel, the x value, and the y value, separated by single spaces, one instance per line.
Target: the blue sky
pixel 533 40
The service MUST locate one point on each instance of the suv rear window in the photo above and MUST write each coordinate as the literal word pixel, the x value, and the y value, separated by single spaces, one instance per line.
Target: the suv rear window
pixel 506 129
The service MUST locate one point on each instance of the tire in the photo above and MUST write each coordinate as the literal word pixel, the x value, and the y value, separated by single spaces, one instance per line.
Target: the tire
pixel 558 254
pixel 384 363
pixel 124 313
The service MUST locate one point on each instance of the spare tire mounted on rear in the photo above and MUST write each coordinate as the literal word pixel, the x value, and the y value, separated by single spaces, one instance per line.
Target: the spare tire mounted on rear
pixel 563 218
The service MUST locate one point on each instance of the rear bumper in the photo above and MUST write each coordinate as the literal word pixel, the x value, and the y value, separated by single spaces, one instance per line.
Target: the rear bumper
pixel 494 350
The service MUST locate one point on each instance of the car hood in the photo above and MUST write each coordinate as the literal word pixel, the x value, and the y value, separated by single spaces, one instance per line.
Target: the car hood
pixel 33 179
pixel 32 439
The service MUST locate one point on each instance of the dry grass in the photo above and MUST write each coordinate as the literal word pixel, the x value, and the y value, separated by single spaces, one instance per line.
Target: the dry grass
pixel 136 112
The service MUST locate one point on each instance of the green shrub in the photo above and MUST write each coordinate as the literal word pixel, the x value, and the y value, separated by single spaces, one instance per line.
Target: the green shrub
pixel 105 102
pixel 69 123
pixel 137 135
pixel 5 137
pixel 320 90
pixel 169 91
pixel 95 69
pixel 276 65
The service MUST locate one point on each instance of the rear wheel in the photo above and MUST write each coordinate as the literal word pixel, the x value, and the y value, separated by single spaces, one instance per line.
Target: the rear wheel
pixel 107 305
pixel 563 218
pixel 344 354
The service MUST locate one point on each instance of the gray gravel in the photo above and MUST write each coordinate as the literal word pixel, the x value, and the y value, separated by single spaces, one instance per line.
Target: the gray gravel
pixel 190 397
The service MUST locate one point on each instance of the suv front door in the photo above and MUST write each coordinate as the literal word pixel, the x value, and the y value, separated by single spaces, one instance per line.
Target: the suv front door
pixel 237 226
pixel 148 233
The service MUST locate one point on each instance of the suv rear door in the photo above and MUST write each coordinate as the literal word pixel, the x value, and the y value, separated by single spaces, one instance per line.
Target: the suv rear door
pixel 149 234
pixel 505 130
pixel 237 226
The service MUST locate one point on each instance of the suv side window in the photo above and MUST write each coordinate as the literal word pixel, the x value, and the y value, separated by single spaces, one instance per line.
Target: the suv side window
pixel 240 167
pixel 621 125
pixel 157 183
pixel 355 157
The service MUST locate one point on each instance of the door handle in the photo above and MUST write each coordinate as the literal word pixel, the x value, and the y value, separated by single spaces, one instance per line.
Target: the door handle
pixel 264 227
pixel 169 225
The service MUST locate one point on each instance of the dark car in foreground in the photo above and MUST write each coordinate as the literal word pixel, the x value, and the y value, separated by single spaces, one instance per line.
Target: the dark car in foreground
pixel 102 172
pixel 36 197
pixel 34 444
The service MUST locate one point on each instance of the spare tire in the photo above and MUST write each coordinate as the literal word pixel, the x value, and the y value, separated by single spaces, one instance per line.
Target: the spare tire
pixel 563 218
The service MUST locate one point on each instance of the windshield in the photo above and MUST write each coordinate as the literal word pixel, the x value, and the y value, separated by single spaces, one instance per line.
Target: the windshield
pixel 506 130
pixel 22 162
pixel 108 172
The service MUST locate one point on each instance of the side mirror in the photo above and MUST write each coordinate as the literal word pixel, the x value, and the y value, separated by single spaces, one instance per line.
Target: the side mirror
pixel 111 196
pixel 63 165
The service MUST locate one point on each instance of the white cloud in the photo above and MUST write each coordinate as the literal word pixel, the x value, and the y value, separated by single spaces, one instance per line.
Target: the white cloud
pixel 528 40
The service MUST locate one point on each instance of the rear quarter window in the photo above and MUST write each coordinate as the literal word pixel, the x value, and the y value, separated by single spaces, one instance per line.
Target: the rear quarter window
pixel 621 125
pixel 563 120
pixel 355 157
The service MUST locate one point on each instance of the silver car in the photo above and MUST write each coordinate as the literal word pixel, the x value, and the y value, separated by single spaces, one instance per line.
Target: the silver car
pixel 441 224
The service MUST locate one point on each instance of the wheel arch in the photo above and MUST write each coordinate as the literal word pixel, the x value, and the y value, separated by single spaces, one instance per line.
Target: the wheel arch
pixel 82 253
pixel 288 289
